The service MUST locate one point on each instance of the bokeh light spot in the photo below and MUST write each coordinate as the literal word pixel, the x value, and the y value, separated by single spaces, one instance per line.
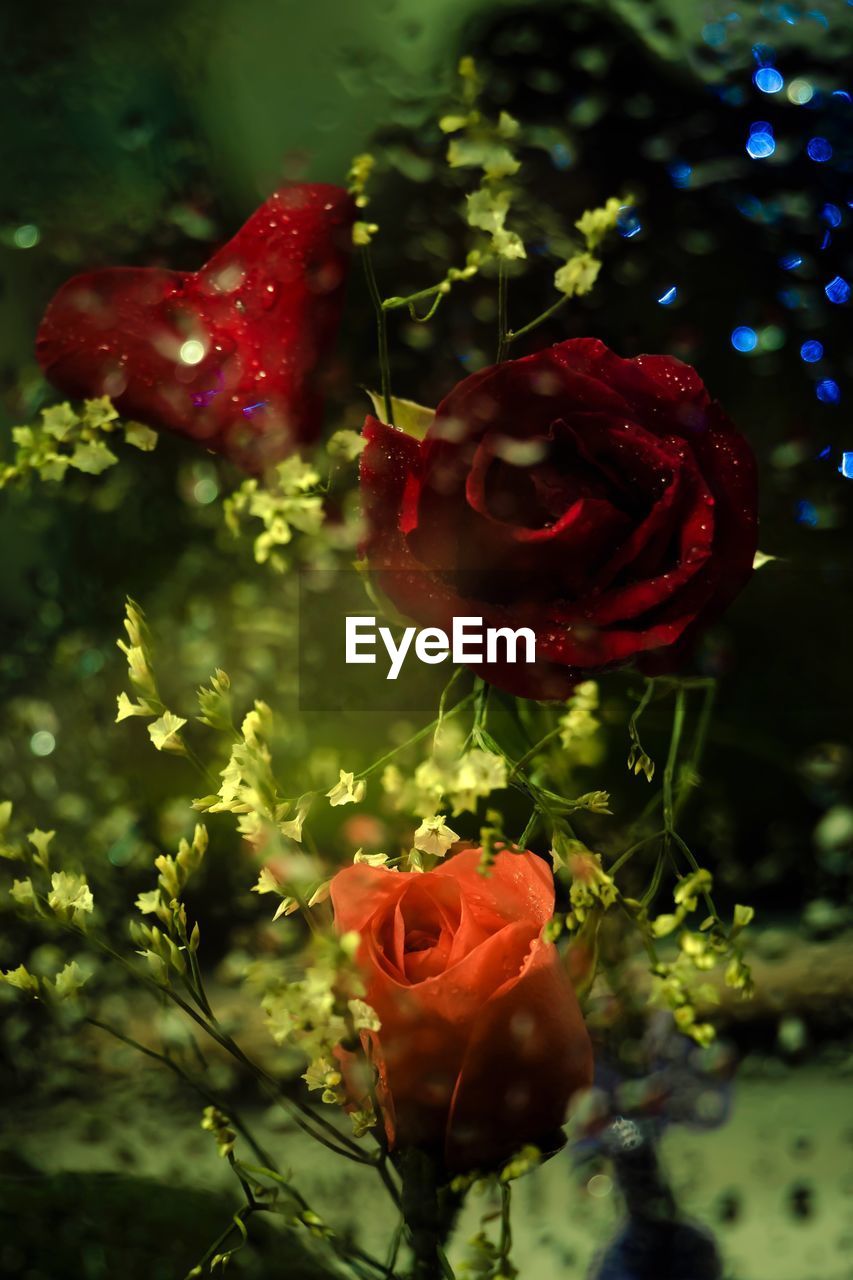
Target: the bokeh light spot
pixel 760 144
pixel 819 150
pixel 768 80
pixel 26 236
pixel 192 351
pixel 838 290
pixel 744 339
pixel 828 391
pixel 800 92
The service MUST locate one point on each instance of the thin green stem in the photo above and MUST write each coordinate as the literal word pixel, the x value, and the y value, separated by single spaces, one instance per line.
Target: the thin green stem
pixel 199 1088
pixel 348 1252
pixel 442 703
pixel 446 1269
pixel 634 719
pixel 482 693
pixel 697 750
pixel 416 737
pixel 428 315
pixel 238 1222
pixel 657 875
pixel 196 760
pixel 532 824
pixel 503 335
pixel 301 1114
pixel 671 759
pixel 394 304
pixel 629 852
pixel 514 334
pixel 536 748
pixel 394 1247
pixel 381 334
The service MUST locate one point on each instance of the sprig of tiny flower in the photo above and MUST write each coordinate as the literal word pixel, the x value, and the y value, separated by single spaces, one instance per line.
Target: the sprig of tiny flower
pixel 290 500
pixel 489 1258
pixel 578 274
pixel 479 143
pixel 358 179
pixel 579 720
pixel 165 728
pixel 71 438
pixel 64 896
pixel 314 1008
pixel 265 1190
pixel 476 142
pixel 450 773
pixel 591 888
pixel 674 984
pixel 170 951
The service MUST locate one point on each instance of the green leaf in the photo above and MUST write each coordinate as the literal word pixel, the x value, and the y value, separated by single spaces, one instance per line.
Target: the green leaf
pixel 411 418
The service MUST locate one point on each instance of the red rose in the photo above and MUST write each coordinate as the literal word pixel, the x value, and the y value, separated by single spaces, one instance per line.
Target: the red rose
pixel 609 505
pixel 229 354
pixel 482 1042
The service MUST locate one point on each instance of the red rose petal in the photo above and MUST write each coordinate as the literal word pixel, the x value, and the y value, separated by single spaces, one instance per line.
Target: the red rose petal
pixel 228 355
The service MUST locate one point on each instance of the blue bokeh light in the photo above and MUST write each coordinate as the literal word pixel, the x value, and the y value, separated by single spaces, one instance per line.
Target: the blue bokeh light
pixel 760 144
pixel 627 222
pixel 811 351
pixel 790 262
pixel 763 55
pixel 744 339
pixel 561 156
pixel 819 150
pixel 714 34
pixel 838 290
pixel 846 467
pixel 668 296
pixel 768 80
pixel 831 214
pixel 806 513
pixel 680 172
pixel 828 391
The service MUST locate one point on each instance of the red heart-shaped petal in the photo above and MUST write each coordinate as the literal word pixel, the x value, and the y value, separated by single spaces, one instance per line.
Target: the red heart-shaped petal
pixel 229 354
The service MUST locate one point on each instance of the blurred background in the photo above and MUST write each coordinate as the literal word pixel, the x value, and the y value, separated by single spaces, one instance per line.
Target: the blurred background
pixel 145 134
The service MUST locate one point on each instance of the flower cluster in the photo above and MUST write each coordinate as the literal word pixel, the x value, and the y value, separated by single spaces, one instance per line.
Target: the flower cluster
pixel 70 438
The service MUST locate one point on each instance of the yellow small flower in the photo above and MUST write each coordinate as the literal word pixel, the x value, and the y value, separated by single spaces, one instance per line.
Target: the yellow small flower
pixel 346 790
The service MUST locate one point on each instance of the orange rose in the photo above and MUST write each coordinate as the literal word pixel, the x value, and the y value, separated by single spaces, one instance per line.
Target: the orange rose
pixel 482 1042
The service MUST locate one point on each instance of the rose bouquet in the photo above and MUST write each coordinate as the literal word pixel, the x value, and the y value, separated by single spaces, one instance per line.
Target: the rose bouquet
pixel 434 989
